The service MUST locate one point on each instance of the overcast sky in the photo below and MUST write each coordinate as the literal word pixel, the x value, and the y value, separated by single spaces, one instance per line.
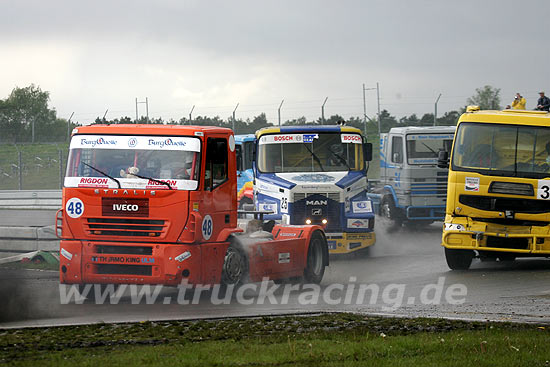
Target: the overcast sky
pixel 103 55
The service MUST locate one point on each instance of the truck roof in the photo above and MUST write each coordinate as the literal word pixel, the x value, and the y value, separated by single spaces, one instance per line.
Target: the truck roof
pixel 307 129
pixel 422 129
pixel 148 129
pixel 511 117
pixel 244 137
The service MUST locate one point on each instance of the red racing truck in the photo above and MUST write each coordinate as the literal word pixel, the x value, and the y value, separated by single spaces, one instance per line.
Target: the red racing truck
pixel 157 204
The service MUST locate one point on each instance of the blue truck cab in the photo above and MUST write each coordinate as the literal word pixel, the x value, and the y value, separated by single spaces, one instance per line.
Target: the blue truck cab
pixel 316 175
pixel 244 149
pixel 412 189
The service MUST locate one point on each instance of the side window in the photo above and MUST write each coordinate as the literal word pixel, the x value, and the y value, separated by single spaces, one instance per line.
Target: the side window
pixel 397 149
pixel 248 154
pixel 216 163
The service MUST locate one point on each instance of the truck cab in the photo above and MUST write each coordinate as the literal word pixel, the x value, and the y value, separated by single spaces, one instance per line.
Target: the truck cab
pixel 498 204
pixel 412 189
pixel 317 175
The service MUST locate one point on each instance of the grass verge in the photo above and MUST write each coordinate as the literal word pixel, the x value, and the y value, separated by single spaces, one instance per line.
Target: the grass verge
pixel 323 340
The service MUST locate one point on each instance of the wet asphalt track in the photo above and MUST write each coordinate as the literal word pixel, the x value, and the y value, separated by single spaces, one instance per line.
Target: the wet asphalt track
pixel 400 266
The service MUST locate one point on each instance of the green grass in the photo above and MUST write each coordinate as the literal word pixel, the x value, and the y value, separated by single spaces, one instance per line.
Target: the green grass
pixel 40 164
pixel 325 340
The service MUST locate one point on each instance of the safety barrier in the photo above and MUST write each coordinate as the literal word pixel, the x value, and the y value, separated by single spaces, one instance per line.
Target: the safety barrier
pixel 30 199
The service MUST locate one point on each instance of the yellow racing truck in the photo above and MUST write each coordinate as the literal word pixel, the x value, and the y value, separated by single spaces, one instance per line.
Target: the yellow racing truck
pixel 498 198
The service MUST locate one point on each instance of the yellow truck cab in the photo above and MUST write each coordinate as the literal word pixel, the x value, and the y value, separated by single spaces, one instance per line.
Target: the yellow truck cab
pixel 498 198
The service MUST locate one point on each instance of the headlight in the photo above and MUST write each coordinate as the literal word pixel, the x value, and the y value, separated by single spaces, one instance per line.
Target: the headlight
pixel 454 227
pixel 308 221
pixel 324 221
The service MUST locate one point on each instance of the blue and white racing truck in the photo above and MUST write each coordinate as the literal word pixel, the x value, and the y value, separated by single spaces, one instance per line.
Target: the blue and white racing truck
pixel 317 175
pixel 412 189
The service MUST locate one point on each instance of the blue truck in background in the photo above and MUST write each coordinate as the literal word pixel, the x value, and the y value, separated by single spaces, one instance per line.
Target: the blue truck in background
pixel 244 149
pixel 412 190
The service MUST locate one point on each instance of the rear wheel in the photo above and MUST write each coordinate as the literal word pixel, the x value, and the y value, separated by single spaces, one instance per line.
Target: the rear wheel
pixel 315 267
pixel 235 265
pixel 459 259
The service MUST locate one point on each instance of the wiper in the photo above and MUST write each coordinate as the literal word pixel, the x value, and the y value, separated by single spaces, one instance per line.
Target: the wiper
pixel 340 158
pixel 152 179
pixel 431 150
pixel 103 173
pixel 314 157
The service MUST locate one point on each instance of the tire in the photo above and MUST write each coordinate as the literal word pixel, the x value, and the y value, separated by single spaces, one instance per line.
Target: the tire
pixel 459 259
pixel 235 265
pixel 390 212
pixel 316 259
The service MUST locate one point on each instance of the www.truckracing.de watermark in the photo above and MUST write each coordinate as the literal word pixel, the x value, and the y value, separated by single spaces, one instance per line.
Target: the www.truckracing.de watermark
pixel 389 297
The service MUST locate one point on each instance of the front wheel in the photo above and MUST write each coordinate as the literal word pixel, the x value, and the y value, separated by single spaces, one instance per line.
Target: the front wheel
pixel 316 262
pixel 459 259
pixel 390 212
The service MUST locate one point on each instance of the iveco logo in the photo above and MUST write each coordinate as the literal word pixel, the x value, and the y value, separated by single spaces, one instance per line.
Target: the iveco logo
pixel 125 207
pixel 316 202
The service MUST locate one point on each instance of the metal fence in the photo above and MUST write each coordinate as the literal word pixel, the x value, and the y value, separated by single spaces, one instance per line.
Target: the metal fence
pixel 32 167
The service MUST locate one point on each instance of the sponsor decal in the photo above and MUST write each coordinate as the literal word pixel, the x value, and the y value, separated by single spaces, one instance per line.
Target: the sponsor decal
pixel 430 136
pixel 351 138
pixel 268 207
pixel 287 234
pixel 331 245
pixel 471 184
pixel 183 256
pixel 358 223
pixel 94 181
pixel 284 257
pixel 318 177
pixel 136 142
pixel 91 143
pixel 309 138
pixel 120 207
pixel 66 254
pixel 358 236
pixel 123 259
pixel 284 138
pixel 168 142
pixel 362 206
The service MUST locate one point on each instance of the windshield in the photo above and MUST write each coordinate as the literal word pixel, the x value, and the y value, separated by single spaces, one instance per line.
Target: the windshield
pixel 424 148
pixel 326 152
pixel 146 162
pixel 503 150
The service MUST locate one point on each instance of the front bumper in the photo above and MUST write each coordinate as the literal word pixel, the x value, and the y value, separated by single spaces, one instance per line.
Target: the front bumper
pixel 343 243
pixel 84 262
pixel 515 239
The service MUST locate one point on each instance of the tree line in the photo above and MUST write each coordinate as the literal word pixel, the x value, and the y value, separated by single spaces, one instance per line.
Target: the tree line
pixel 25 117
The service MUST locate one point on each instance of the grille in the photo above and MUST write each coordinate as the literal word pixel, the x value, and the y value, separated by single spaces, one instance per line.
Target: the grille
pixel 103 269
pixel 124 250
pixel 502 204
pixel 125 227
pixel 508 243
pixel 330 210
pixel 511 188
